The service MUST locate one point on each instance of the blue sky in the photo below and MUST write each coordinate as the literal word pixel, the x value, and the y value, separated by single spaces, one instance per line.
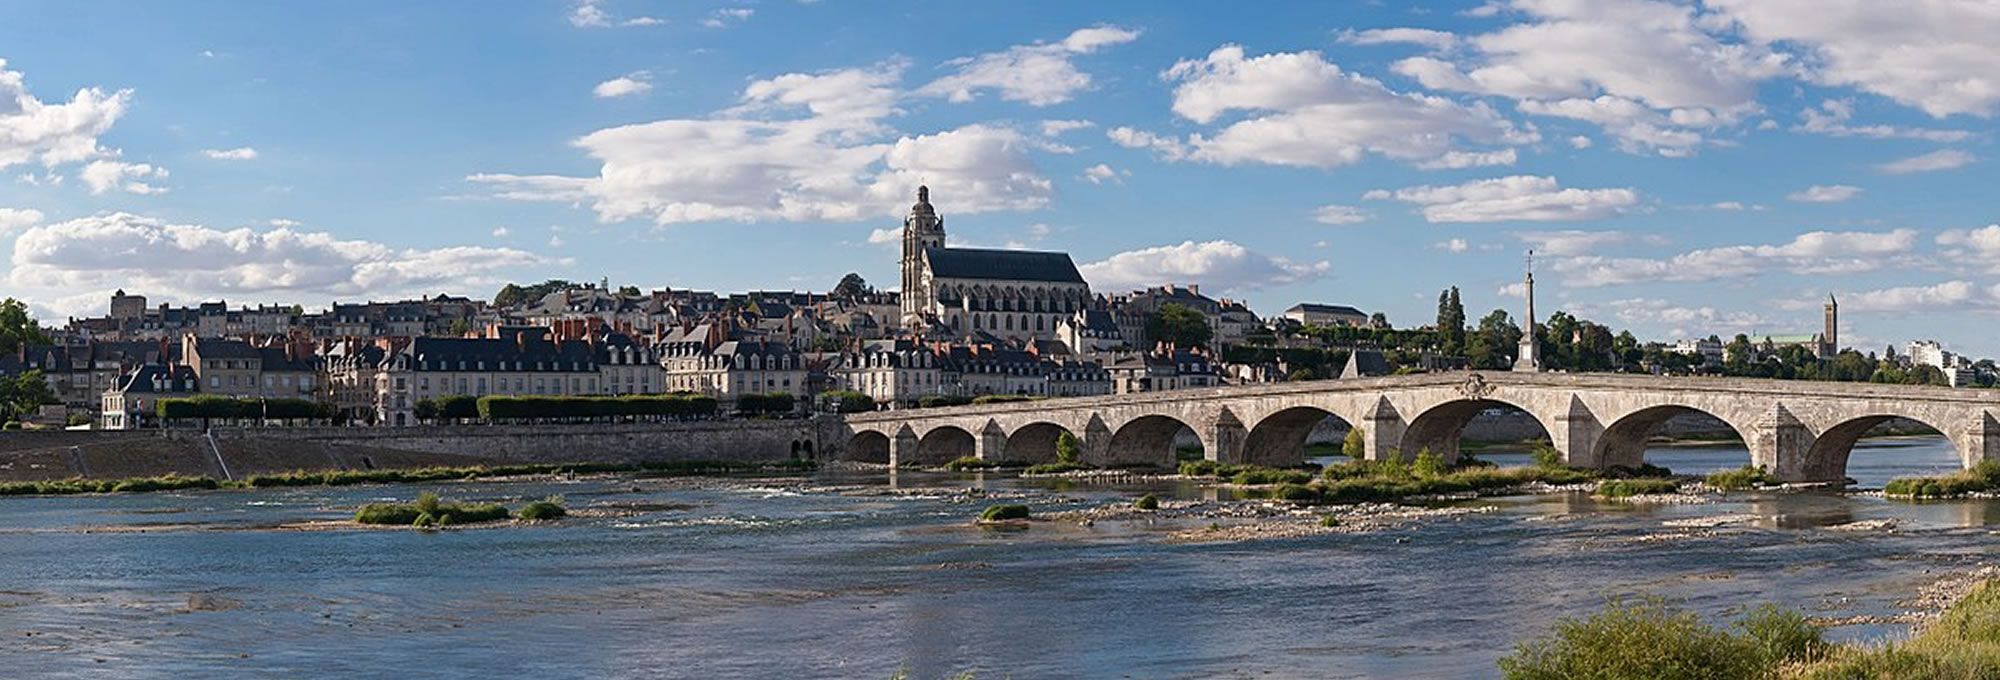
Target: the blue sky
pixel 1683 168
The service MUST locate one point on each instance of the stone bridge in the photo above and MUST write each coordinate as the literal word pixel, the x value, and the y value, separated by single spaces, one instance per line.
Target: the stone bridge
pixel 1798 431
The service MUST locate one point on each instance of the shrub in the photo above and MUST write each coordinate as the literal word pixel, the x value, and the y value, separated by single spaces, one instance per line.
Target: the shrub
pixel 386 513
pixel 1329 521
pixel 1427 465
pixel 1296 493
pixel 1055 468
pixel 970 463
pixel 1199 468
pixel 1147 502
pixel 1546 456
pixel 1003 512
pixel 1626 488
pixel 1068 448
pixel 1001 398
pixel 1783 636
pixel 1353 445
pixel 1982 477
pixel 1963 643
pixel 938 400
pixel 1644 470
pixel 546 509
pixel 1745 477
pixel 1642 639
pixel 427 511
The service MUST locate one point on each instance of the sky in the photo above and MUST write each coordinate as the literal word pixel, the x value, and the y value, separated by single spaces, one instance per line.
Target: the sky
pixel 1679 168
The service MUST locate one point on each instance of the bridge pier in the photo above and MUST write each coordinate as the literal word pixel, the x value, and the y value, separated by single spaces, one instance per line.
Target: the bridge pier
pixel 903 447
pixel 1575 433
pixel 1382 433
pixel 1980 441
pixel 1224 440
pixel 991 444
pixel 1782 445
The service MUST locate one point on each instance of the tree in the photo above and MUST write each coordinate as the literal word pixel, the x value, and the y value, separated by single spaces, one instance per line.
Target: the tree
pixel 17 328
pixel 1378 320
pixel 1179 325
pixel 851 287
pixel 426 410
pixel 1354 446
pixel 509 295
pixel 1067 448
pixel 20 395
pixel 1301 374
pixel 1450 322
pixel 1492 345
pixel 629 291
pixel 1738 355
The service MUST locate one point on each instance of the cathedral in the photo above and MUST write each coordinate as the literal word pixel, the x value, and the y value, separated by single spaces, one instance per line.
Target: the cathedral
pixel 1005 294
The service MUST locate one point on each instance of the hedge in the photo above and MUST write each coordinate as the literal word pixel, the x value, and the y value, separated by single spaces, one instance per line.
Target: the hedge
pixel 775 402
pixel 219 407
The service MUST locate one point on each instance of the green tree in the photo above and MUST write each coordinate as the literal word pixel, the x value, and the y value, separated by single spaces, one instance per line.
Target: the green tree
pixel 1378 320
pixel 1738 355
pixel 1067 448
pixel 509 296
pixel 1354 446
pixel 851 286
pixel 17 328
pixel 20 395
pixel 1450 322
pixel 1180 325
pixel 1301 374
pixel 1492 346
pixel 426 410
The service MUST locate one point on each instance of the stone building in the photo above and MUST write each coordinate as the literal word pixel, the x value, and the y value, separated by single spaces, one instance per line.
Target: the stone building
pixel 131 403
pixel 891 372
pixel 519 361
pixel 1004 293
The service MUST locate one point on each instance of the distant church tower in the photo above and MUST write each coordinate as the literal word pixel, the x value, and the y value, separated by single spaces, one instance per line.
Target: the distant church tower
pixel 922 230
pixel 1529 358
pixel 1829 339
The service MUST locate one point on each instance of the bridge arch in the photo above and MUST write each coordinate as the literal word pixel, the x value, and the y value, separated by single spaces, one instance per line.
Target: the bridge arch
pixel 1034 443
pixel 1623 442
pixel 945 443
pixel 1439 427
pixel 1147 439
pixel 1826 459
pixel 1279 439
pixel 868 446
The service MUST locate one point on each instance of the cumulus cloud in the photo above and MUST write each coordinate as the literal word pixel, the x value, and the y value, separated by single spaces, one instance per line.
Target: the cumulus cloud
pixel 1453 245
pixel 193 261
pixel 113 175
pixel 885 235
pixel 1040 74
pixel 1818 252
pixel 1816 193
pixel 1167 147
pixel 54 134
pixel 591 14
pixel 1704 319
pixel 1220 265
pixel 12 219
pixel 1388 36
pixel 1832 118
pixel 1570 242
pixel 1654 75
pixel 728 15
pixel 1516 198
pixel 1340 214
pixel 625 85
pixel 1942 159
pixel 1297 109
pixel 1456 160
pixel 241 153
pixel 1101 173
pixel 1935 55
pixel 1052 128
pixel 1980 247
pixel 797 147
pixel 1950 295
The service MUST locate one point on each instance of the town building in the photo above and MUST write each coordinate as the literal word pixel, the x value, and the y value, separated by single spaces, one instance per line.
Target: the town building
pixel 971 291
pixel 1316 314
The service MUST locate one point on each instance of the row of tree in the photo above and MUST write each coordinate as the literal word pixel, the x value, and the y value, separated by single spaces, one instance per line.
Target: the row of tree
pixel 498 408
pixel 212 407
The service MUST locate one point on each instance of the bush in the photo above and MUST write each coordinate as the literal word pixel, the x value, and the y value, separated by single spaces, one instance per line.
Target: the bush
pixel 1147 502
pixel 1353 445
pixel 1546 456
pixel 1746 477
pixel 1626 488
pixel 1296 493
pixel 1642 639
pixel 1199 468
pixel 1068 448
pixel 1982 477
pixel 429 510
pixel 1427 465
pixel 970 463
pixel 1329 521
pixel 1055 468
pixel 939 400
pixel 1963 643
pixel 845 401
pixel 1644 470
pixel 550 508
pixel 1001 398
pixel 1004 512
pixel 1783 636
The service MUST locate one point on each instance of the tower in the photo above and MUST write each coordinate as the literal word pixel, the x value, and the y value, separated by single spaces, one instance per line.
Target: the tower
pixel 922 230
pixel 1829 339
pixel 1529 358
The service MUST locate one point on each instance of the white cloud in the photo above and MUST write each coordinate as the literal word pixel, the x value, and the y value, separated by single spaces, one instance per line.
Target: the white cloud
pixel 1101 173
pixel 1704 319
pixel 1516 198
pixel 591 14
pixel 501 232
pixel 1220 265
pixel 1167 147
pixel 1340 214
pixel 1977 246
pixel 191 261
pixel 1942 159
pixel 1301 110
pixel 1832 116
pixel 1414 36
pixel 241 153
pixel 1454 245
pixel 1040 74
pixel 1571 242
pixel 1816 193
pixel 54 134
pixel 727 15
pixel 1621 57
pixel 1936 55
pixel 1818 252
pixel 111 175
pixel 1727 205
pixel 18 218
pixel 885 235
pixel 1052 128
pixel 1455 160
pixel 629 84
pixel 763 160
pixel 1956 295
pixel 1579 142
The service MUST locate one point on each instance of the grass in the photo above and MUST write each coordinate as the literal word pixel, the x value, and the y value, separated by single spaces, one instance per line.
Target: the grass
pixel 970 463
pixel 1982 477
pixel 550 508
pixel 1055 468
pixel 1296 493
pixel 1248 475
pixel 428 511
pixel 1627 488
pixel 173 482
pixel 1004 512
pixel 1746 477
pixel 1647 638
pixel 1963 643
pixel 1147 502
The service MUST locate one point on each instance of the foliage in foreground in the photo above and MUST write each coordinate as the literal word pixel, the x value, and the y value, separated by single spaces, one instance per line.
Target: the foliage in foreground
pixel 1647 638
pixel 1003 512
pixel 1963 643
pixel 1982 477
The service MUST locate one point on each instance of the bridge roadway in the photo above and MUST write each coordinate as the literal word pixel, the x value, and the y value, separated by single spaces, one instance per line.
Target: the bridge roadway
pixel 1799 431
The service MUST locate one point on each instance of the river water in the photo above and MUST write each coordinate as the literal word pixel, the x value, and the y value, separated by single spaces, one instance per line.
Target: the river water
pixel 704 579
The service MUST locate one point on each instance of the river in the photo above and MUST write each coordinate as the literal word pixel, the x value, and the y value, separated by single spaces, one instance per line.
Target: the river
pixel 704 579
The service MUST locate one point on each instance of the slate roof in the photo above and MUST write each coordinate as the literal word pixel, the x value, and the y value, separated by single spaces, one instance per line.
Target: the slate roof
pixel 1315 308
pixel 1006 265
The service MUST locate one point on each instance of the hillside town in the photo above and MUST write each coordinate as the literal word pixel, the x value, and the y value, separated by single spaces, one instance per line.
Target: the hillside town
pixel 965 324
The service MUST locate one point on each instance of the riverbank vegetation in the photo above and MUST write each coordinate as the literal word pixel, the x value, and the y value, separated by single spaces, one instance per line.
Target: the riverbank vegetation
pixel 547 509
pixel 430 511
pixel 1004 512
pixel 1642 486
pixel 171 482
pixel 970 463
pixel 1746 477
pixel 1648 638
pixel 1984 477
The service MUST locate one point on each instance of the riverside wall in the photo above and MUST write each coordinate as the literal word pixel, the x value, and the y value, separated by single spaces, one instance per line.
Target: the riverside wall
pixel 32 455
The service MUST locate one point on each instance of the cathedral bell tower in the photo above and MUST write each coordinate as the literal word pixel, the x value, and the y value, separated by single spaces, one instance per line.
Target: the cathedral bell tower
pixel 922 230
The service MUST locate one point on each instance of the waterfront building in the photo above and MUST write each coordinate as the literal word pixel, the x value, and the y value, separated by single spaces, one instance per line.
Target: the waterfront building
pixel 892 372
pixel 517 361
pixel 132 402
pixel 1167 368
